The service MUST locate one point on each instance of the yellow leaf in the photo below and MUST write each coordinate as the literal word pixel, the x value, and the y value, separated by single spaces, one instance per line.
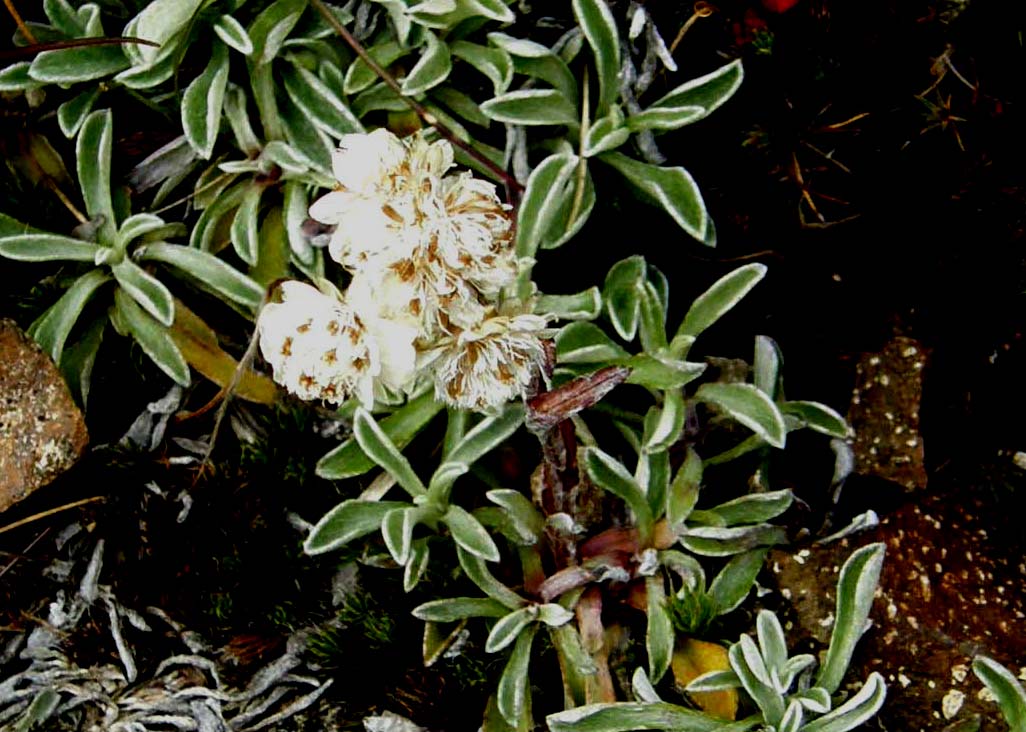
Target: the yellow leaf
pixel 198 344
pixel 694 658
pixel 273 257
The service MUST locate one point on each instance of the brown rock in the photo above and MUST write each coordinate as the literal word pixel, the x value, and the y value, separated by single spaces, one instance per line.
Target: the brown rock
pixel 948 592
pixel 42 432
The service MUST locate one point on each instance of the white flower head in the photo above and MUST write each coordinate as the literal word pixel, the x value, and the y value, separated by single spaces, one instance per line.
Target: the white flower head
pixel 486 366
pixel 367 164
pixel 318 347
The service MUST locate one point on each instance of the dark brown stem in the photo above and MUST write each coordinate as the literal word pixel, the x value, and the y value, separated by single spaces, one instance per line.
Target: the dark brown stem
pixel 419 109
pixel 76 43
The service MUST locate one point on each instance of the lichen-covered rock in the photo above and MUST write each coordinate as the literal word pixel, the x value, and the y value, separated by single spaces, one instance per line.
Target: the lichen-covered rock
pixel 42 432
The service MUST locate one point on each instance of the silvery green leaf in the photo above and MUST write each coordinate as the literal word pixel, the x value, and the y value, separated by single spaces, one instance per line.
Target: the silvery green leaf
pixel 609 473
pixel 818 417
pixel 348 460
pixel 153 337
pixel 15 78
pixel 673 189
pixel 160 68
pixel 210 272
pixel 659 636
pixel 461 105
pixel 270 28
pixel 41 709
pixel 72 113
pixel 621 293
pixel 445 14
pixel 714 541
pixel 599 26
pixel 725 293
pixel 714 681
pixel 653 473
pixel 349 520
pixel 445 475
pixel 494 63
pixel 794 666
pixel 531 107
pixel 487 434
pixel 642 687
pixel 513 692
pixel 397 530
pixel 683 493
pixel 663 118
pixel 854 712
pixel 816 699
pixel 202 103
pixel 306 138
pixel 766 365
pixel 751 670
pixel 52 328
pixel 684 566
pixel 754 508
pixel 554 615
pixel 606 133
pixel 1009 692
pixel 229 30
pixel 468 532
pixel 417 563
pixel 78 360
pixel 375 443
pixel 157 22
pixel 452 609
pixel 586 343
pixel 431 70
pixel 520 510
pixel 206 226
pixel 506 630
pixel 793 717
pixel 749 406
pixel 238 119
pixel 47 248
pixel 63 17
pixel 706 93
pixel 146 290
pixel 478 573
pixel 586 305
pixel 570 647
pixel 652 320
pixel 359 75
pixel 317 100
pixel 772 643
pixel 731 586
pixel 669 424
pixel 628 716
pixel 661 371
pixel 541 200
pixel 92 152
pixel 855 589
pixel 282 155
pixel 296 207
pixel 83 63
pixel 137 225
pixel 563 229
pixel 245 230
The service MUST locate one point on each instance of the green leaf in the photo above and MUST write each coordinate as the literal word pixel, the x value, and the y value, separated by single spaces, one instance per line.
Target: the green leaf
pixel 269 30
pixel 72 113
pixel 606 133
pixel 750 668
pixel 78 360
pixel 304 136
pixel 397 530
pixel 621 293
pixel 586 343
pixel 138 225
pixel 203 101
pixel 93 151
pixel 683 493
pixel 513 693
pixel 152 337
pixel 629 716
pixel 232 33
pixel 659 632
pixel 148 74
pixel 706 93
pixel 855 589
pixel 15 78
pixel 716 541
pixel 359 75
pixel 669 424
pixel 83 63
pixel 245 231
pixel 506 630
pixel 146 290
pixel 609 473
pixel 477 571
pixel 535 60
pixel 348 460
pixel 419 555
pixel 520 510
pixel 63 17
pixel 431 70
pixel 749 406
pixel 772 643
pixel 445 14
pixel 660 372
pixel 461 105
pixel 47 248
pixel 206 227
pixel 727 292
pixel 663 118
pixel 349 520
pixel 731 586
pixel 452 609
pixel 652 321
pixel 157 22
pixel 818 417
pixel 1010 695
pixel 671 188
pixel 52 328
pixel 323 106
pixel 494 63
pixel 468 532
pixel 586 305
pixel 545 190
pixel 766 365
pixel 376 444
pixel 487 434
pixel 596 20
pixel 212 273
pixel 754 508
pixel 531 107
pixel 862 706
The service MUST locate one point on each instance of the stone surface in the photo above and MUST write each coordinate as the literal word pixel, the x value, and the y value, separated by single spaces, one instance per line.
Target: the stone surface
pixel 951 588
pixel 42 432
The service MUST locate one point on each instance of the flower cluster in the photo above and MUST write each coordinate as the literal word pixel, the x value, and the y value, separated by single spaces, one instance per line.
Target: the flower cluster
pixel 430 253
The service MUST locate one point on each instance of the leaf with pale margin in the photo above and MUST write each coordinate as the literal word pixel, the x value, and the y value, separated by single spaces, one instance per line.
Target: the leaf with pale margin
pixel 92 151
pixel 229 30
pixel 420 553
pixel 52 328
pixel 691 101
pixel 487 435
pixel 451 609
pixel 750 668
pixel 683 493
pixel 818 417
pixel 542 198
pixel 506 630
pixel 245 233
pixel 203 101
pixel 725 293
pixel 714 541
pixel 520 511
pixel 47 248
pixel 1009 692
pixel 210 272
pixel 629 716
pixel 72 113
pixel 397 531
pixel 153 337
pixel 659 631
pixel 854 712
pixel 478 573
pixel 431 70
pixel 642 687
pixel 322 105
pixel 772 643
pixel 855 589
pixel 349 520
pixel 376 444
pixel 754 508
pixel 586 343
pixel 669 425
pixel 733 583
pixel 749 406
pixel 621 293
pixel 609 473
pixel 596 20
pixel 514 690
pixel 468 532
pixel 586 305
pixel 531 107
pixel 766 365
pixel 146 290
pixel 71 65
pixel 537 61
pixel 494 63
